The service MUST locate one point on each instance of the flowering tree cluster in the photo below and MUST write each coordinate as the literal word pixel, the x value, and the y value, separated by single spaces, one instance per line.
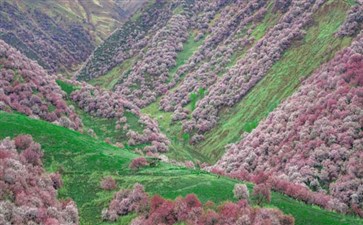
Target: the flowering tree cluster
pixel 138 163
pixel 315 137
pixel 303 193
pixel 126 201
pixel 262 193
pixel 150 74
pixel 189 210
pixel 28 195
pixel 353 22
pixel 51 43
pixel 134 36
pixel 205 11
pixel 154 39
pixel 101 103
pixel 228 34
pixel 266 181
pixel 151 134
pixel 282 5
pixel 107 104
pixel 25 87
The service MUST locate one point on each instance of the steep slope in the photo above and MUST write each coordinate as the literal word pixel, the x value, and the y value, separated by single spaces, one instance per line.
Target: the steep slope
pixel 83 162
pixel 314 137
pixel 60 35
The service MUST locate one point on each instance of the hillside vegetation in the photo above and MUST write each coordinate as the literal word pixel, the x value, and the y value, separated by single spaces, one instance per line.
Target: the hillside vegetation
pixel 234 112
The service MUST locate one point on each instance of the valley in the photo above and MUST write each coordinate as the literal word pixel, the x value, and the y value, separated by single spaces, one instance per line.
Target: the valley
pixel 181 112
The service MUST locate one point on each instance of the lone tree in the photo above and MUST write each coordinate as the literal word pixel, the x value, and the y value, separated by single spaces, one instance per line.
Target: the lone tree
pixel 262 194
pixel 240 192
pixel 138 163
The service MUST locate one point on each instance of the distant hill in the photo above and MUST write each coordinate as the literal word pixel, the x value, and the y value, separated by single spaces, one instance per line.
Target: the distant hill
pixel 60 35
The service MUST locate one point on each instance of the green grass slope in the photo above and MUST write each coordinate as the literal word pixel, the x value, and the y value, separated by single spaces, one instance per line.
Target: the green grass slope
pixel 83 162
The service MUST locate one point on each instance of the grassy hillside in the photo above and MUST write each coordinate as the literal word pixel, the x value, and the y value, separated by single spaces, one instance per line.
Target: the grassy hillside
pixel 83 162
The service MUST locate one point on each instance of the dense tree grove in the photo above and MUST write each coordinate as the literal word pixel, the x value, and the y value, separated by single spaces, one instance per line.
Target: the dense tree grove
pixel 151 134
pixel 102 103
pixel 154 39
pixel 25 87
pixel 233 31
pixel 149 75
pixel 41 38
pixel 107 104
pixel 189 210
pixel 28 195
pixel 315 137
